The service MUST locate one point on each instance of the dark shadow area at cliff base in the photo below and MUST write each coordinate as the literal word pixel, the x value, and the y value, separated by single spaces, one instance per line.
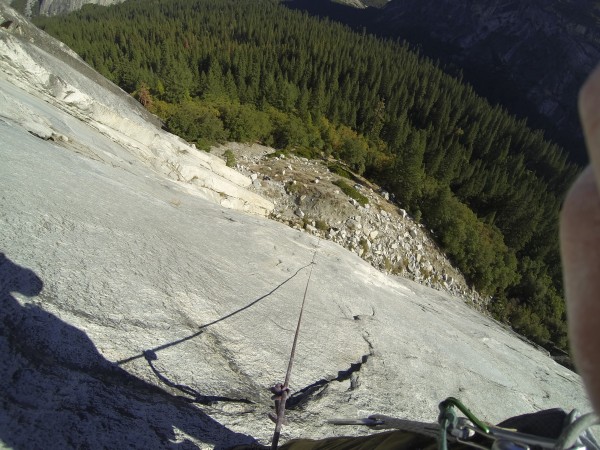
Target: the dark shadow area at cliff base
pixel 59 392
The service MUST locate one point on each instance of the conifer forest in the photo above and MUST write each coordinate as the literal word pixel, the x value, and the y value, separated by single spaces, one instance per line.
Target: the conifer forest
pixel 489 187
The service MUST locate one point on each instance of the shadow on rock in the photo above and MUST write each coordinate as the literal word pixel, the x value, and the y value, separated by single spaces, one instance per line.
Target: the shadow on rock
pixel 192 394
pixel 59 392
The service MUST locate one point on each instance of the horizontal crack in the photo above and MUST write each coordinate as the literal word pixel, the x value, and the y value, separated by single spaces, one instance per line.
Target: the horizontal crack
pixel 193 395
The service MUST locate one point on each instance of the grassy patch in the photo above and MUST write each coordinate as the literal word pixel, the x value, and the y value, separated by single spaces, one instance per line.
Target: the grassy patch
pixel 297 189
pixel 19 5
pixel 364 245
pixel 321 225
pixel 338 169
pixel 306 152
pixel 351 192
pixel 388 266
pixel 277 154
pixel 301 152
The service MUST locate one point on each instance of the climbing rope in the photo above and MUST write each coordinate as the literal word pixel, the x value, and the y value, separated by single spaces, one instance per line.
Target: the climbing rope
pixel 450 427
pixel 281 390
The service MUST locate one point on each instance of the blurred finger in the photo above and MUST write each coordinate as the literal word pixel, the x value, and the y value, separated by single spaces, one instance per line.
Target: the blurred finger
pixel 580 248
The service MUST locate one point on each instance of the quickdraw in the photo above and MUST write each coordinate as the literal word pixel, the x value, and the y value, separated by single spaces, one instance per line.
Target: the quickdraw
pixel 456 429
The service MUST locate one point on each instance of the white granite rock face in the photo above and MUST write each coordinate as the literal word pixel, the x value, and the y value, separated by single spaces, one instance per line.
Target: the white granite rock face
pixel 123 296
pixel 138 314
pixel 36 63
pixel 56 7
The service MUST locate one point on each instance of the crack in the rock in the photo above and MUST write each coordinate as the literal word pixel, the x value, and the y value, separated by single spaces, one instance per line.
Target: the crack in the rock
pixel 313 391
pixel 192 395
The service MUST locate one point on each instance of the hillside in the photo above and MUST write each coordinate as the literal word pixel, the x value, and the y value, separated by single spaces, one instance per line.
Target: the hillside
pixel 57 7
pixel 306 195
pixel 31 8
pixel 363 3
pixel 139 312
pixel 531 57
pixel 488 186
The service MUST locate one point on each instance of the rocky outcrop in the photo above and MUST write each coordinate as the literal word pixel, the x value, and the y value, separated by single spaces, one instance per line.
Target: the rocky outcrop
pixel 57 7
pixel 380 232
pixel 353 3
pixel 361 4
pixel 533 56
pixel 41 66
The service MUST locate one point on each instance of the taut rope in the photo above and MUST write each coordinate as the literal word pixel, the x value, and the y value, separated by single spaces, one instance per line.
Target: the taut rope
pixel 281 391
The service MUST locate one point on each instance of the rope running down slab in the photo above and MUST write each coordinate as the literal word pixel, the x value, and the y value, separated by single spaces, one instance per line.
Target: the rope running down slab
pixel 281 391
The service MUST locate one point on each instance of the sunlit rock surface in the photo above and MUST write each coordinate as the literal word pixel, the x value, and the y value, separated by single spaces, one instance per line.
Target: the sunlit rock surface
pixel 137 312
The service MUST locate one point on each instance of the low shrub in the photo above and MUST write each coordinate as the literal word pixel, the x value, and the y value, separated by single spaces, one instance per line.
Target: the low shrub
pixel 321 225
pixel 307 152
pixel 351 192
pixel 338 169
pixel 230 160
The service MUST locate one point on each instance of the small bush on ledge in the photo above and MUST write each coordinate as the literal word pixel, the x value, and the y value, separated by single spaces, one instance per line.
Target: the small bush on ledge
pixel 351 192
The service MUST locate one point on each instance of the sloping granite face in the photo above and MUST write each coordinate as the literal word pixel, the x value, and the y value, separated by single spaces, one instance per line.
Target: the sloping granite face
pixel 56 7
pixel 137 313
pixel 134 310
pixel 87 103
